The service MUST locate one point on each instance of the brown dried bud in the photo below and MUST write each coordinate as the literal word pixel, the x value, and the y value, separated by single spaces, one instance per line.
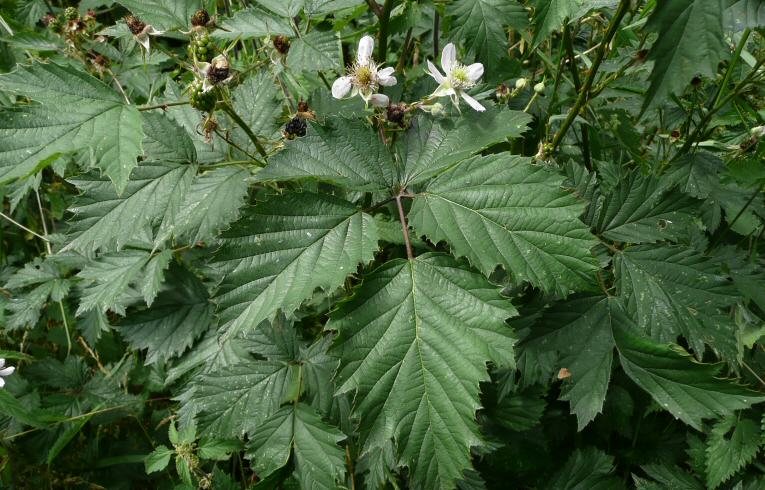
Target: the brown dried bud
pixel 100 60
pixel 49 19
pixel 564 373
pixel 200 18
pixel 219 70
pixel 90 15
pixel 303 106
pixel 396 113
pixel 281 43
pixel 675 133
pixel 134 24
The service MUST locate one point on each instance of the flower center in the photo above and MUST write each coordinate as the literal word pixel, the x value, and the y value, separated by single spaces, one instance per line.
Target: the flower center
pixel 460 78
pixel 364 76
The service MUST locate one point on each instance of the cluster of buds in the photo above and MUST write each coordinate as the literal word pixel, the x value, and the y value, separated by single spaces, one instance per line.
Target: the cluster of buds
pixel 396 114
pixel 504 94
pixel 297 126
pixel 70 23
pixel 201 47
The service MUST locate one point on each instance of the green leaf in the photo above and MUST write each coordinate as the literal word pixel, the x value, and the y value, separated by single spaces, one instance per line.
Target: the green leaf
pixel 109 278
pixel 643 210
pixel 163 15
pixel 218 449
pixel 104 220
pixel 580 330
pixel 284 8
pixel 414 342
pixel 11 406
pixel 731 445
pixel 166 140
pixel 673 477
pixel 177 318
pixel 682 50
pixel 212 202
pixel 188 118
pixel 673 290
pixel 259 104
pixel 252 23
pixel 79 112
pixel 502 210
pixel 586 469
pixel 520 411
pixel 481 26
pixel 68 433
pixel 158 459
pixel 296 429
pixel 551 15
pixel 749 13
pixel 285 248
pixel 154 275
pixel 344 152
pixel 315 51
pixel 431 145
pixel 689 390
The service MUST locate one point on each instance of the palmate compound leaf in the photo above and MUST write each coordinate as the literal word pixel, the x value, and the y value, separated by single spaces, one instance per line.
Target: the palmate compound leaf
pixel 682 50
pixel 414 342
pixel 296 429
pixel 77 111
pixel 283 249
pixel 673 290
pixel 502 210
pixel 731 445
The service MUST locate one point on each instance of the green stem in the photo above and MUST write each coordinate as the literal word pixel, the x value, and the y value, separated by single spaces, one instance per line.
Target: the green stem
pixel 599 56
pixel 238 120
pixel 404 227
pixel 731 65
pixel 382 48
pixel 162 106
pixel 569 44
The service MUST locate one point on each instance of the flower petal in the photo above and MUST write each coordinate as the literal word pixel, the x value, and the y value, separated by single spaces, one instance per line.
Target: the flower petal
pixel 150 30
pixel 7 371
pixel 366 46
pixel 379 100
pixel 386 81
pixel 448 57
pixel 443 90
pixel 341 87
pixel 143 40
pixel 475 71
pixel 386 72
pixel 473 103
pixel 2 363
pixel 2 382
pixel 435 73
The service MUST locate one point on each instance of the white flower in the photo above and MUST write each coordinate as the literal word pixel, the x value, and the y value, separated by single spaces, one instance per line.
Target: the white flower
pixel 216 72
pixel 141 31
pixel 539 88
pixel 5 372
pixel 757 132
pixel 365 77
pixel 456 79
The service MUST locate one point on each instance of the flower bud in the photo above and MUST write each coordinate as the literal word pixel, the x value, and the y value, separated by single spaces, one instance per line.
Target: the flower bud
pixel 134 24
pixel 219 70
pixel 200 18
pixel 71 13
pixel 539 88
pixel 521 83
pixel 395 114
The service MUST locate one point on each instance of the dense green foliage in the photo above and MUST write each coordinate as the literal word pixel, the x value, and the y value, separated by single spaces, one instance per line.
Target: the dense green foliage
pixel 236 252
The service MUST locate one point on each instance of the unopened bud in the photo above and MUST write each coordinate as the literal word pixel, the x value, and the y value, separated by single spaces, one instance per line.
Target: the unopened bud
pixel 71 13
pixel 521 83
pixel 539 88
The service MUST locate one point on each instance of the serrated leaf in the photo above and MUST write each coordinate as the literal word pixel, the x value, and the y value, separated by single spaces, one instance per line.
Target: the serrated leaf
pixel 550 16
pixel 696 174
pixel 728 452
pixel 315 51
pixel 673 290
pixel 298 430
pixel 502 210
pixel 643 210
pixel 104 220
pixel 92 324
pixel 682 50
pixel 672 477
pixel 481 25
pixel 252 23
pixel 414 342
pixel 431 145
pixel 689 390
pixel 284 8
pixel 93 117
pixel 166 140
pixel 163 15
pixel 520 411
pixel 340 151
pixel 180 314
pixel 284 249
pixel 109 278
pixel 746 13
pixel 158 459
pixel 154 275
pixel 259 104
pixel 587 468
pixel 580 330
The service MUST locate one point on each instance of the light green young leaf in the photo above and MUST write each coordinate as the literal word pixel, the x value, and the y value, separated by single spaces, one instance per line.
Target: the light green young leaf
pixel 502 210
pixel 315 51
pixel 682 50
pixel 414 342
pixel 298 430
pixel 158 459
pixel 79 112
pixel 285 248
pixel 731 445
pixel 431 145
pixel 689 390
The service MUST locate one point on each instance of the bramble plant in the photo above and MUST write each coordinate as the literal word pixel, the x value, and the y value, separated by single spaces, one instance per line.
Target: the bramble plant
pixel 345 244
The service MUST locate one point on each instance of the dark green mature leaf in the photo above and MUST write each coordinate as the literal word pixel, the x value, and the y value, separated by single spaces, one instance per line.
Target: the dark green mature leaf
pixel 732 444
pixel 551 15
pixel 683 50
pixel 109 279
pixel 258 103
pixel 298 430
pixel 689 390
pixel 341 151
pixel 520 411
pixel 161 14
pixel 643 210
pixel 414 342
pixel 315 51
pixel 284 249
pixel 673 290
pixel 284 8
pixel 432 145
pixel 180 314
pixel 502 210
pixel 747 13
pixel 586 469
pixel 580 330
pixel 79 112
pixel 165 140
pixel 481 26
pixel 252 23
pixel 104 220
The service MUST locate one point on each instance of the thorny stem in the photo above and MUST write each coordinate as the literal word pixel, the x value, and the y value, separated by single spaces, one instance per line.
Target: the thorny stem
pixel 50 252
pixel 585 91
pixel 238 120
pixel 162 106
pixel 404 227
pixel 382 48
